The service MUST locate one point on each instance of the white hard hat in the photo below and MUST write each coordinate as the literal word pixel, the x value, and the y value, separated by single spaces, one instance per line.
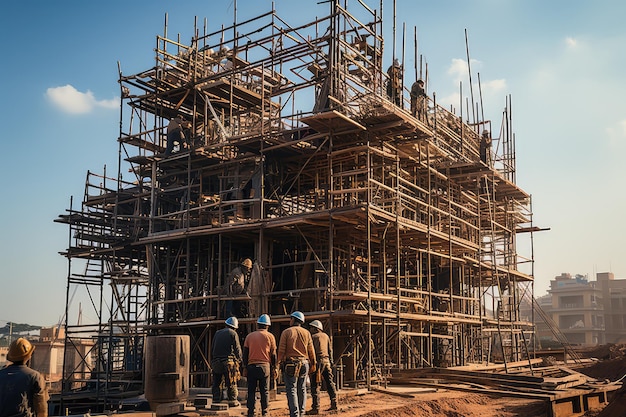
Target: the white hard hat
pixel 264 319
pixel 232 322
pixel 317 324
pixel 298 316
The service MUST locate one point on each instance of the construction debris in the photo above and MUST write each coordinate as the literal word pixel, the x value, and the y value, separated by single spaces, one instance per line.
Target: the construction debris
pixel 566 392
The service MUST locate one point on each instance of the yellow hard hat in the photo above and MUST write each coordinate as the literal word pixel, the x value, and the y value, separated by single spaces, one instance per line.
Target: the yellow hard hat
pixel 20 350
pixel 247 263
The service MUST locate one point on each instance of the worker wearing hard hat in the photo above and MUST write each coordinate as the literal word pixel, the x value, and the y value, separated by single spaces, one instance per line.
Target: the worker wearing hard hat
pixel 324 353
pixel 418 100
pixel 485 147
pixel 238 280
pixel 225 360
pixel 394 83
pixel 239 277
pixel 23 391
pixel 259 360
pixel 175 133
pixel 296 356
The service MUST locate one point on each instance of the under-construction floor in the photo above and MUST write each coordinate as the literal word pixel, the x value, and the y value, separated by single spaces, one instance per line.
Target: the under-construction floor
pixel 393 223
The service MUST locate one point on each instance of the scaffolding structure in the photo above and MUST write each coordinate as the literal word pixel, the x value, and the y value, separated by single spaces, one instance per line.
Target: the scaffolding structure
pixel 389 227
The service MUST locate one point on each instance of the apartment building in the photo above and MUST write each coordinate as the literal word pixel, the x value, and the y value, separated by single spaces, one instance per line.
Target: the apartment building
pixel 577 309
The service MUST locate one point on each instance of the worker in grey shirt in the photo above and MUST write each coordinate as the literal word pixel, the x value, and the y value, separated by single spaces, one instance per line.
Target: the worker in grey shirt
pixel 225 362
pixel 23 391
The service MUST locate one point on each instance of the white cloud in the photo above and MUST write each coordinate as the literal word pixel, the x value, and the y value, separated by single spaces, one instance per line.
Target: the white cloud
pixel 571 42
pixel 72 101
pixel 493 86
pixel 458 69
pixel 617 134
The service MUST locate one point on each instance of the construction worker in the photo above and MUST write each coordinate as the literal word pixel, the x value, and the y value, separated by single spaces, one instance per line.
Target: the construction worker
pixel 259 360
pixel 175 133
pixel 225 360
pixel 23 391
pixel 296 357
pixel 324 355
pixel 394 83
pixel 238 280
pixel 485 147
pixel 418 100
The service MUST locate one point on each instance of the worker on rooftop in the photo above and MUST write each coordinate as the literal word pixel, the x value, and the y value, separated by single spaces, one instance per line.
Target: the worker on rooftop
pixel 418 100
pixel 394 83
pixel 485 147
pixel 175 133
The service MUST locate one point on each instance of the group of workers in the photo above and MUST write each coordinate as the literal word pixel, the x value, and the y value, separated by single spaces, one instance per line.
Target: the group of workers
pixel 419 105
pixel 299 353
pixel 419 99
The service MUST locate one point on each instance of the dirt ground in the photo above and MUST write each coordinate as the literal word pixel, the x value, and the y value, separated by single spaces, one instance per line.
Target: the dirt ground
pixel 609 364
pixel 442 403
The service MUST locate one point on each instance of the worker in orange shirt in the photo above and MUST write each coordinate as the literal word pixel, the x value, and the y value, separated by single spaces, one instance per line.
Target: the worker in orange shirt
pixel 259 360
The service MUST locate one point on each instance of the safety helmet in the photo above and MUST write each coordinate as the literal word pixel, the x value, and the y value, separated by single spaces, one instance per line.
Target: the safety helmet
pixel 232 322
pixel 317 324
pixel 264 319
pixel 20 350
pixel 298 316
pixel 247 263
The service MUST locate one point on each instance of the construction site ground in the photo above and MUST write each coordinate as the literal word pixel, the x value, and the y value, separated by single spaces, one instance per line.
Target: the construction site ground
pixel 409 401
pixel 608 364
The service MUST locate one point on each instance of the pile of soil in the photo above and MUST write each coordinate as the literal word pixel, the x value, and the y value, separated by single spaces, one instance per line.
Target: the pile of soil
pixel 605 352
pixel 612 369
pixel 444 403
pixel 468 405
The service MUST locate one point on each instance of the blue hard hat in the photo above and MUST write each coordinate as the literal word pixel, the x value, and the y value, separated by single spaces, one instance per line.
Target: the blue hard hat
pixel 298 315
pixel 264 319
pixel 232 322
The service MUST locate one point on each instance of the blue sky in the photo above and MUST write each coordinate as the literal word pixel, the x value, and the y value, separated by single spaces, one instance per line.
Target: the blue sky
pixel 562 62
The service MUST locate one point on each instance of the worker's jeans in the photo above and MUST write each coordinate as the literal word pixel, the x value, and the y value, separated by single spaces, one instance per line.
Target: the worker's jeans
pixel 258 375
pixel 326 372
pixel 295 387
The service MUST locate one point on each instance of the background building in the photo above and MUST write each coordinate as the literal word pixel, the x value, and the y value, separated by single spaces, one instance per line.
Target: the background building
pixel 577 309
pixel 585 312
pixel 614 301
